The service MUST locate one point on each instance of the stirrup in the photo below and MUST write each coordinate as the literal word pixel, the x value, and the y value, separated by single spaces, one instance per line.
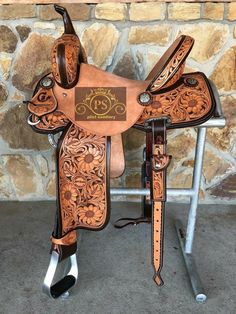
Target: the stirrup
pixel 61 287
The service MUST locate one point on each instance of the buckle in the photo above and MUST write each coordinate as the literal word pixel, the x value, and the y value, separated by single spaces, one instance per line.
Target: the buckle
pixel 160 162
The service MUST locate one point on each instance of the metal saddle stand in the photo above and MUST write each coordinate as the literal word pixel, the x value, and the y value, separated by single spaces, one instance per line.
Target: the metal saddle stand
pixel 185 237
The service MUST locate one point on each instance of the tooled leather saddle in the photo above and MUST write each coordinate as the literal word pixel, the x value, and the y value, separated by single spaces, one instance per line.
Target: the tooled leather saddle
pixel 92 108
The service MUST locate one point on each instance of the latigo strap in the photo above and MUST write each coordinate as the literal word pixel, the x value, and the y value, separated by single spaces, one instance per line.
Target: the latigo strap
pixel 156 163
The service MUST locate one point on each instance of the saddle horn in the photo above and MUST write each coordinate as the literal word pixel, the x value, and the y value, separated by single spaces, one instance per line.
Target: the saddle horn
pixel 68 26
pixel 67 53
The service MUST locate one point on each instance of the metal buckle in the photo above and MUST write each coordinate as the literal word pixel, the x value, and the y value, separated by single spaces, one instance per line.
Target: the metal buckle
pixel 30 122
pixel 61 287
pixel 161 162
pixel 52 140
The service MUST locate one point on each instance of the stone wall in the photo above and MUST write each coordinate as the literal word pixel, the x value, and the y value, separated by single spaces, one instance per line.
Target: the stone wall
pixel 127 40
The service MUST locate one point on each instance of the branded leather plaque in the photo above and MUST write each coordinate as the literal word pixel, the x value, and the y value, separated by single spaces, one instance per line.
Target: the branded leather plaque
pixel 100 104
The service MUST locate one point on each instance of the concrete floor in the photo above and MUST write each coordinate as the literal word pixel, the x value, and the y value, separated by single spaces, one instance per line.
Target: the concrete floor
pixel 115 273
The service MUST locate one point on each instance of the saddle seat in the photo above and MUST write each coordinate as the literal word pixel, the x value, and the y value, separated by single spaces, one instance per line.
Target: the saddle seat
pixel 103 86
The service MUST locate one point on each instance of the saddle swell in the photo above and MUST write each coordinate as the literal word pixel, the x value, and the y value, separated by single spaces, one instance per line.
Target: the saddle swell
pixel 92 108
pixel 167 70
pixel 45 118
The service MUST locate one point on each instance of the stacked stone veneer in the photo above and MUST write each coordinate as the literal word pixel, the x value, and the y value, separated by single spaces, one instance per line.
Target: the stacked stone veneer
pixel 127 40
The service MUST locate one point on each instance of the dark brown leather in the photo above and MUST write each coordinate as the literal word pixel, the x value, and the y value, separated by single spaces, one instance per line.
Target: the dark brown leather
pixel 67 54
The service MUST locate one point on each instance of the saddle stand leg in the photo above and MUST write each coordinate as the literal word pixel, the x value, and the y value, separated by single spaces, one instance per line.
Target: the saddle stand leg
pixel 186 242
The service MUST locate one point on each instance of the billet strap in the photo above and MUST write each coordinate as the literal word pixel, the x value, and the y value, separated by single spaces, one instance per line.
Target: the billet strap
pixel 170 63
pixel 117 164
pixel 160 161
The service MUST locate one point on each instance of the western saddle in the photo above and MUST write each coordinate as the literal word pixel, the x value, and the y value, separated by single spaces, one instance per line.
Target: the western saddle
pixel 93 108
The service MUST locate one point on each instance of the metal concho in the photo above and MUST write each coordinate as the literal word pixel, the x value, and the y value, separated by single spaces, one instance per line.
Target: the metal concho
pixel 145 98
pixel 46 82
pixel 190 81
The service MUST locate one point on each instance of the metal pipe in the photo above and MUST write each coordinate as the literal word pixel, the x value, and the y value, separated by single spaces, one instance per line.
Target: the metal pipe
pixel 213 122
pixel 195 280
pixel 146 192
pixel 197 172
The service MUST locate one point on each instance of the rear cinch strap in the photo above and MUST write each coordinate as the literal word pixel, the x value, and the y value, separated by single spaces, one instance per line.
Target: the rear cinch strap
pixel 160 162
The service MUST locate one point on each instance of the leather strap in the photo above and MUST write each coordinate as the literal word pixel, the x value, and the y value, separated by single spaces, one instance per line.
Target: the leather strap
pixel 123 222
pixel 160 162
pixel 68 239
pixel 65 246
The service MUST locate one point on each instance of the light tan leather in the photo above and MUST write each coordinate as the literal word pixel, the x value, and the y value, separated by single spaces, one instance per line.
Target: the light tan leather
pixel 68 239
pixel 117 157
pixel 157 238
pixel 82 185
pixel 90 76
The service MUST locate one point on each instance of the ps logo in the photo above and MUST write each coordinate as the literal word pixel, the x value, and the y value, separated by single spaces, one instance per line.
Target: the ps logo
pixel 100 104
